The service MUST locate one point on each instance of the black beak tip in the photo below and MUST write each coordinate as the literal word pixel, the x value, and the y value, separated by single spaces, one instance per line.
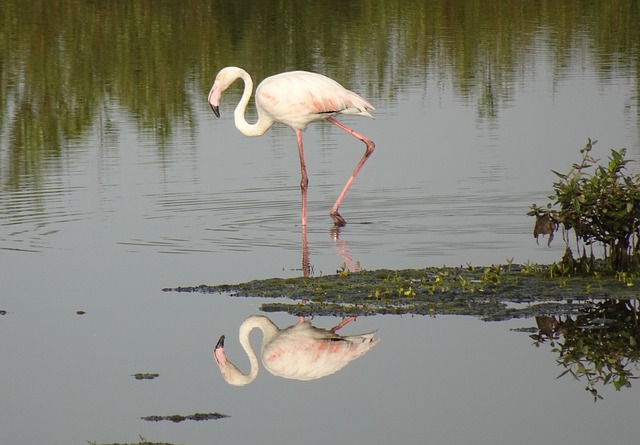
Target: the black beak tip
pixel 216 110
pixel 220 343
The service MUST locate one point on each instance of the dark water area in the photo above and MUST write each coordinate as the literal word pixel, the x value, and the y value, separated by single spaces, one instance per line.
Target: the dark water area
pixel 116 181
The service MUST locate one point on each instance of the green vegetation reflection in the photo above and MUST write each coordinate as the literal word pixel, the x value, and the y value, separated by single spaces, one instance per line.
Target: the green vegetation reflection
pixel 68 67
pixel 600 346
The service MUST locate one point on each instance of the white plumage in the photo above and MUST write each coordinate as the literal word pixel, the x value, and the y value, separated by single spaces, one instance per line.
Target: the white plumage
pixel 295 98
pixel 300 352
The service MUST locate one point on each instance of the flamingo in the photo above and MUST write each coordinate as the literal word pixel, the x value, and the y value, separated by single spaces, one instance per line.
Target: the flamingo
pixel 295 98
pixel 300 352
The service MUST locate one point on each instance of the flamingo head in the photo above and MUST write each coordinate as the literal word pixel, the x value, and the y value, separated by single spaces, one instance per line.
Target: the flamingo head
pixel 223 80
pixel 229 371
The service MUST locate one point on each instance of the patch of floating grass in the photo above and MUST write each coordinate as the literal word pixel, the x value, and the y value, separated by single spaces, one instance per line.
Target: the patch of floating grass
pixel 470 290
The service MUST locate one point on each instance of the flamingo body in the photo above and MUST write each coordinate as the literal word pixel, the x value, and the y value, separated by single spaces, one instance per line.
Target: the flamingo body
pixel 295 98
pixel 300 352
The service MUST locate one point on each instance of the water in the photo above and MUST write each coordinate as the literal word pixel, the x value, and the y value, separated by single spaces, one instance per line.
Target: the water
pixel 152 191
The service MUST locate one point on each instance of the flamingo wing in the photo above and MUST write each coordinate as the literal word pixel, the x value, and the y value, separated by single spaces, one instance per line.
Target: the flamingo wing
pixel 298 98
pixel 304 352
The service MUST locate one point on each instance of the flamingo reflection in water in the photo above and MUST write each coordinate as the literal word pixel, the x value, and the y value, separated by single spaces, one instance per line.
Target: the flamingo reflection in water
pixel 300 352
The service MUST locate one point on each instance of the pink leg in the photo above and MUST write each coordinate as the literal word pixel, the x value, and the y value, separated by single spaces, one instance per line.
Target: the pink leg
pixel 342 323
pixel 304 180
pixel 337 219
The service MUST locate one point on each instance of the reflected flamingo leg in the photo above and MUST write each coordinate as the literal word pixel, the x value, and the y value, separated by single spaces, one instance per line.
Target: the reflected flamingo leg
pixel 306 266
pixel 304 179
pixel 342 323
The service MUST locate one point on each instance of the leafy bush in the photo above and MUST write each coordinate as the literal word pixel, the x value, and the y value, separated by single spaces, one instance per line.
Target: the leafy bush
pixel 599 207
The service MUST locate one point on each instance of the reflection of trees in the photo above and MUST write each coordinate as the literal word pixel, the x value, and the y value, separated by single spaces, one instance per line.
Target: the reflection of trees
pixel 67 65
pixel 600 345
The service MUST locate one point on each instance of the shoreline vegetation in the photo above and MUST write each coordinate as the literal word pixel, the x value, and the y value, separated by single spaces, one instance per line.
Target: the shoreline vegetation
pixel 496 292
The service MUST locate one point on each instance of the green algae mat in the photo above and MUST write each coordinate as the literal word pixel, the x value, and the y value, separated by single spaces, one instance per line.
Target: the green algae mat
pixel 496 292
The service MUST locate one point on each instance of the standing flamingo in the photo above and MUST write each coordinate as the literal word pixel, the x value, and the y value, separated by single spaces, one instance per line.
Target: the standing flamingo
pixel 295 98
pixel 300 352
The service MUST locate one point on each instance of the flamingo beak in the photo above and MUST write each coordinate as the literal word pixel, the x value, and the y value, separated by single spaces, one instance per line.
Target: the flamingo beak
pixel 214 98
pixel 219 355
pixel 216 111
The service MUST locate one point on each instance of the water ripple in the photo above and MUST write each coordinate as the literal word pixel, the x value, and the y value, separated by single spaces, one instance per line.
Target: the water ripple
pixel 36 214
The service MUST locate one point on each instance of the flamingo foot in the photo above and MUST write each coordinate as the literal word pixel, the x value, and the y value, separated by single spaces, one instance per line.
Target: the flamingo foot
pixel 342 323
pixel 338 220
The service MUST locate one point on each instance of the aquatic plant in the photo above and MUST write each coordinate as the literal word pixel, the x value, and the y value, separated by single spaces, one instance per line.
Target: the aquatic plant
pixel 487 292
pixel 602 207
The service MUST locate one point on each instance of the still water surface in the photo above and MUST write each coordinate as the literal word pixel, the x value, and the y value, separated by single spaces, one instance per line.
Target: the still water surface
pixel 102 219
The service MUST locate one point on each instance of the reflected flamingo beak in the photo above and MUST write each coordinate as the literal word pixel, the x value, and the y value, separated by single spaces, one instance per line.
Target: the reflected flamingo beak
pixel 219 355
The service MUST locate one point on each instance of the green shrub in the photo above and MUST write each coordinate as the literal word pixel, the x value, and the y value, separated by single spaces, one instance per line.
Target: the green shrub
pixel 599 207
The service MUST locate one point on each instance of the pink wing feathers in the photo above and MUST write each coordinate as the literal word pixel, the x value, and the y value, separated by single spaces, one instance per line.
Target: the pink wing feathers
pixel 304 352
pixel 298 98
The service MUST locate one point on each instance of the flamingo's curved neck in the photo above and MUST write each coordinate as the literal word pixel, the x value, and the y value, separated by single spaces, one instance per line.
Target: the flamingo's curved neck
pixel 269 330
pixel 263 123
